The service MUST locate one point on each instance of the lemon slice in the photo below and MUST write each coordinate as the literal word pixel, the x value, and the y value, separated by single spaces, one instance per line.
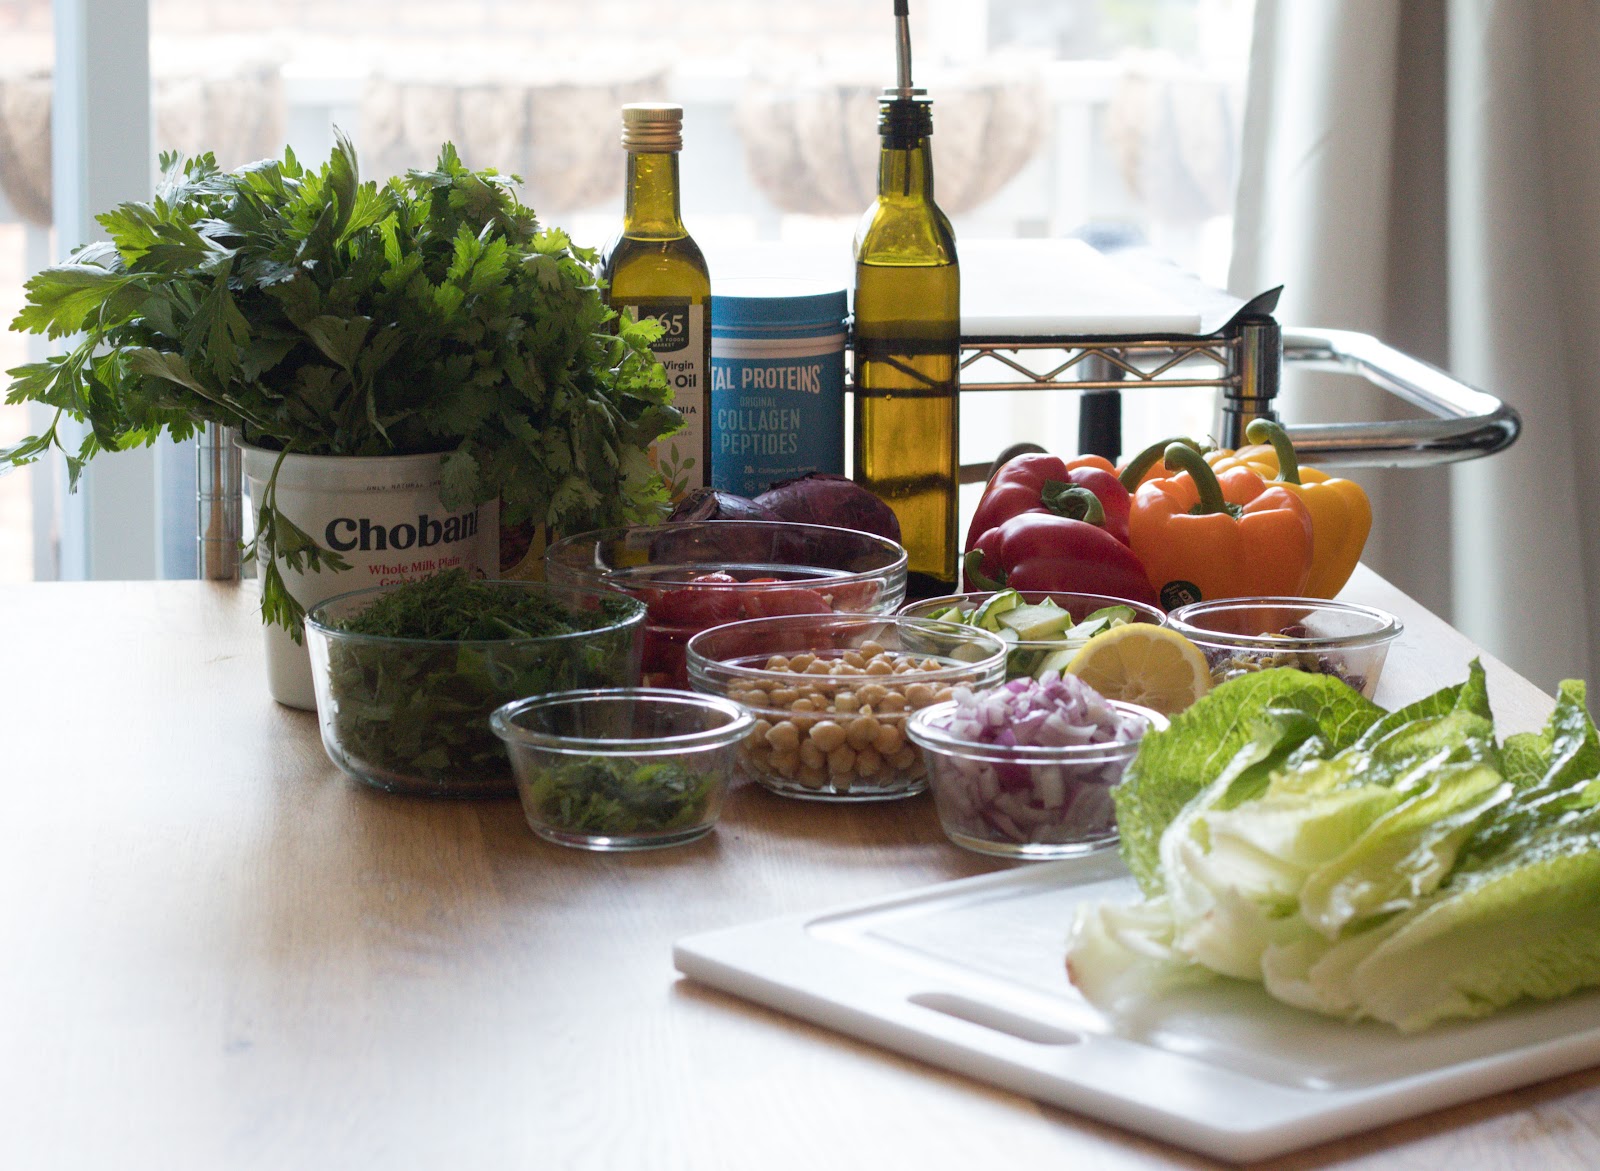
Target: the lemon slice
pixel 1143 664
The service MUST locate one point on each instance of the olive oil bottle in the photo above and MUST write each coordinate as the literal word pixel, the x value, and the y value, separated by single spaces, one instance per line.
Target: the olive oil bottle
pixel 655 269
pixel 908 340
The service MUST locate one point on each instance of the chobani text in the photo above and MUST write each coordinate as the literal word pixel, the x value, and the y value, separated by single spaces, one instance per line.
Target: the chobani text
pixel 345 533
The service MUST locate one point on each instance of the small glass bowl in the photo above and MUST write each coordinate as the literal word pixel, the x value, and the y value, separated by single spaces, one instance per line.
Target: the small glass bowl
pixel 1021 802
pixel 624 768
pixel 1026 655
pixel 411 715
pixel 801 569
pixel 1242 635
pixel 838 737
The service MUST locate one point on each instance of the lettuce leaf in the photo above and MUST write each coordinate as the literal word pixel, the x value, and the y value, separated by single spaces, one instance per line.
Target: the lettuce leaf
pixel 1176 764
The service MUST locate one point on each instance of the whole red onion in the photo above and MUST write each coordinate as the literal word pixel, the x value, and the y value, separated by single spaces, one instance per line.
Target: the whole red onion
pixel 822 498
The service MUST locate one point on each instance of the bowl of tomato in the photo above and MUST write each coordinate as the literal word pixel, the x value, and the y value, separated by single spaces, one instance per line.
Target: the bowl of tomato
pixel 694 575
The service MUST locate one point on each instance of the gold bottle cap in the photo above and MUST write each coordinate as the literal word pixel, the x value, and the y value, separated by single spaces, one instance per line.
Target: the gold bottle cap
pixel 652 127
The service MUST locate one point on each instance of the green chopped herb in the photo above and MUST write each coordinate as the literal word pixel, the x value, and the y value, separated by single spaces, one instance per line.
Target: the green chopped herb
pixel 456 606
pixel 415 717
pixel 604 795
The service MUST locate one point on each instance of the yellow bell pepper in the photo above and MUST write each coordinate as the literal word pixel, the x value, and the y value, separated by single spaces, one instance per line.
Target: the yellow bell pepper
pixel 1341 514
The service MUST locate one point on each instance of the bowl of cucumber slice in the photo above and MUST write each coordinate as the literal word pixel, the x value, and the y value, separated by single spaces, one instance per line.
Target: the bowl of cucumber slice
pixel 1042 631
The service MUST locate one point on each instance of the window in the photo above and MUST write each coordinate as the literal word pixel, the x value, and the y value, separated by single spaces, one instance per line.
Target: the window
pixel 1117 120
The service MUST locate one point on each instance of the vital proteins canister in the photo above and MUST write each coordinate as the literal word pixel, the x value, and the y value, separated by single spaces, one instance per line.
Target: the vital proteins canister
pixel 777 381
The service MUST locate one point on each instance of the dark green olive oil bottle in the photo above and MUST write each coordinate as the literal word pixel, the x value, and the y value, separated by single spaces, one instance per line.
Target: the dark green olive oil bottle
pixel 655 269
pixel 908 340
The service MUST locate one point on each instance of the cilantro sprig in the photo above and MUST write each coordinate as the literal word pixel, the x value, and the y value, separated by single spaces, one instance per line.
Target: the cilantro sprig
pixel 322 315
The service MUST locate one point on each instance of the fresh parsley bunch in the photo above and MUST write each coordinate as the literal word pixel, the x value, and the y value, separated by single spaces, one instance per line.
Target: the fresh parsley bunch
pixel 321 315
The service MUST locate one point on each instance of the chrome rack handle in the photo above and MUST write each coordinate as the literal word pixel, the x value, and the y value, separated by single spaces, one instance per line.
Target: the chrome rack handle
pixel 220 503
pixel 1467 423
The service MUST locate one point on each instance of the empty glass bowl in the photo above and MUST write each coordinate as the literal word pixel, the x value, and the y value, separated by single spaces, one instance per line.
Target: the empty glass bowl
pixel 625 768
pixel 1241 635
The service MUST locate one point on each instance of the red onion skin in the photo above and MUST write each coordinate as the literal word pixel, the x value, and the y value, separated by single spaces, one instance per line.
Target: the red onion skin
pixel 710 504
pixel 822 498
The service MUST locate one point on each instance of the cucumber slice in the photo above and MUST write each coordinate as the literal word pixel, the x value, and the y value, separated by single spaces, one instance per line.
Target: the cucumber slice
pixel 987 616
pixel 1055 662
pixel 1113 615
pixel 1037 623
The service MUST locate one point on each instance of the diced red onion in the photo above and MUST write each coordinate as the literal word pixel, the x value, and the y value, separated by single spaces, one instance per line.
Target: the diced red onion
pixel 1028 802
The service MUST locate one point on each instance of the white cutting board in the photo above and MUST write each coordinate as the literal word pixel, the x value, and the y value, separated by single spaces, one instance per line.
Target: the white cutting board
pixel 969 975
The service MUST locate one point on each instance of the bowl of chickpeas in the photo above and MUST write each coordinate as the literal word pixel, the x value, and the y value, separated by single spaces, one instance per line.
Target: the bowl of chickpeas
pixel 831 694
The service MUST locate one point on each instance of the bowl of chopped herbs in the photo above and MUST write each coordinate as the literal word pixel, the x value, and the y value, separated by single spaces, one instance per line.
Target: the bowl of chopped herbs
pixel 408 674
pixel 625 768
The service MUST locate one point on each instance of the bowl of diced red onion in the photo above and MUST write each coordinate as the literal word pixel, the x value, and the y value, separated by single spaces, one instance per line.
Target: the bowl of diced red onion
pixel 1026 769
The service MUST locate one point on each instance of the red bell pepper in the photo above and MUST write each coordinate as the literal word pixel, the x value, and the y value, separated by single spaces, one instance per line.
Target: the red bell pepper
pixel 1084 488
pixel 1039 551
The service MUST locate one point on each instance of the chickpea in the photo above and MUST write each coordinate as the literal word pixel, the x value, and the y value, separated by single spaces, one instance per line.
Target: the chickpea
pixel 800 662
pixel 777 663
pixel 945 695
pixel 919 695
pixel 873 693
pixel 805 705
pixel 868 762
pixel 862 731
pixel 786 764
pixel 784 736
pixel 870 649
pixel 841 760
pixel 827 735
pixel 905 758
pixel 812 756
pixel 845 702
pixel 812 776
pixel 889 740
pixel 783 696
pixel 879 667
pixel 893 702
pixel 853 659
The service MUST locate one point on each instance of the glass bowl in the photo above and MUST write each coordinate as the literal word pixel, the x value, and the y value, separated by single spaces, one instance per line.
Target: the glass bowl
pixel 1027 802
pixel 627 768
pixel 1241 635
pixel 829 724
pixel 777 567
pixel 410 715
pixel 1031 658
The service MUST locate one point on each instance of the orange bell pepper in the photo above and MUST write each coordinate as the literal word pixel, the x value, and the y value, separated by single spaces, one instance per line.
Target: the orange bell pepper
pixel 1204 535
pixel 1341 514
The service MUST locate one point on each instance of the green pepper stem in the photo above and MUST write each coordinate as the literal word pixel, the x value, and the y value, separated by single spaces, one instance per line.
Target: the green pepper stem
pixel 1149 457
pixel 1179 458
pixel 1270 431
pixel 972 563
pixel 1073 501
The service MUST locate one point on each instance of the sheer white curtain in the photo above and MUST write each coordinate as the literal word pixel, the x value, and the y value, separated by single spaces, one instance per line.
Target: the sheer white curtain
pixel 1428 171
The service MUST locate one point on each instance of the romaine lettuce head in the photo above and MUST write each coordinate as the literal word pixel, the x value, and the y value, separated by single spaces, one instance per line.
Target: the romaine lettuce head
pixel 1403 867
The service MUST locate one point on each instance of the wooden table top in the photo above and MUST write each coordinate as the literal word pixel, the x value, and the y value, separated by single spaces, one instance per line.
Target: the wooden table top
pixel 220 952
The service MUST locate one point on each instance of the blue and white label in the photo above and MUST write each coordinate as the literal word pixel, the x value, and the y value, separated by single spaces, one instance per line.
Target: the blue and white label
pixel 777 411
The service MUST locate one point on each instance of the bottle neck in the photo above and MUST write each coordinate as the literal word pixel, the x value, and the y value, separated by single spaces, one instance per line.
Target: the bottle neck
pixel 906 175
pixel 653 209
